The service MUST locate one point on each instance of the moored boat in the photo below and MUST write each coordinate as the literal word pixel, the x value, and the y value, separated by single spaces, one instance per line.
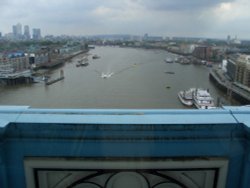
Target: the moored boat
pixel 82 63
pixel 202 99
pixel 186 96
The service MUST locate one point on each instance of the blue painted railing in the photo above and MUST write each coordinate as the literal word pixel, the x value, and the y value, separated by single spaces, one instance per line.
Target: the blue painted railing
pixel 137 134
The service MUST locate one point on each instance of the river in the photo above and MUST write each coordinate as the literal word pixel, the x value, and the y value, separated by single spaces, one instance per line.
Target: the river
pixel 138 81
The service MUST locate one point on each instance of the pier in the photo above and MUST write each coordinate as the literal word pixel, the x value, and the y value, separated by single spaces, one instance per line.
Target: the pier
pixel 49 82
pixel 54 81
pixel 232 89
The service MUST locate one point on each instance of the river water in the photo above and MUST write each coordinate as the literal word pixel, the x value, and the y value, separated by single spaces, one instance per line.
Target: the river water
pixel 138 81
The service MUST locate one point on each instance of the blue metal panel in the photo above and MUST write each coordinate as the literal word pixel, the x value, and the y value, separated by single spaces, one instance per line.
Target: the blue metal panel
pixel 116 116
pixel 3 170
pixel 124 134
pixel 3 123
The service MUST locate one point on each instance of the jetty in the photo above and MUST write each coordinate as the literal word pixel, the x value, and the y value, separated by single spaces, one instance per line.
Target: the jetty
pixel 49 82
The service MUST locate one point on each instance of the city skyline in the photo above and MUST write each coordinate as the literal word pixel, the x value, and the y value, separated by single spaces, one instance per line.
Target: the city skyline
pixel 209 19
pixel 22 32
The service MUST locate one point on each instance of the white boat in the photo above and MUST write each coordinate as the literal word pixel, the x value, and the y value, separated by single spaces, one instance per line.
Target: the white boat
pixel 186 96
pixel 107 75
pixel 169 60
pixel 202 99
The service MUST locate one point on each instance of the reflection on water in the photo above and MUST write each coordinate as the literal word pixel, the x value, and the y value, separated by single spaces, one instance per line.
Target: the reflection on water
pixel 120 78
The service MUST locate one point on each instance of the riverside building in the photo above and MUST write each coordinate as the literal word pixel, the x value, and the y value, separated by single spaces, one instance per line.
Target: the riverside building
pixel 242 74
pixel 13 67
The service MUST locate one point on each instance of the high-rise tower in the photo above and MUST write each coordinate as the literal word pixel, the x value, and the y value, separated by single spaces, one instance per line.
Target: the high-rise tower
pixel 36 34
pixel 17 31
pixel 26 32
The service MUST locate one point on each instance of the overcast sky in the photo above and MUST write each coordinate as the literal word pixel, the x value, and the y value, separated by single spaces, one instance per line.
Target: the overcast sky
pixel 189 18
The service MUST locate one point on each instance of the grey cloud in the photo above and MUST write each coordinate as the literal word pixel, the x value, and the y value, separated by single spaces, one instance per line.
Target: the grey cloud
pixel 181 5
pixel 174 17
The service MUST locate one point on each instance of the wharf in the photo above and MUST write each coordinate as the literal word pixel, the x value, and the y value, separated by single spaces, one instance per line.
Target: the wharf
pixel 232 89
pixel 75 54
pixel 60 61
pixel 15 78
pixel 52 64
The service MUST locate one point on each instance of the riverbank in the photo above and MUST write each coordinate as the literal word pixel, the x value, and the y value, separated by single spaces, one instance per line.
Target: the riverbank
pixel 60 61
pixel 231 89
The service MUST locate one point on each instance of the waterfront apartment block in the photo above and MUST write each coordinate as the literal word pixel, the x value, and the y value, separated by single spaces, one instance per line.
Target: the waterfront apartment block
pixel 12 64
pixel 243 70
pixel 230 69
pixel 238 69
pixel 38 58
pixel 66 148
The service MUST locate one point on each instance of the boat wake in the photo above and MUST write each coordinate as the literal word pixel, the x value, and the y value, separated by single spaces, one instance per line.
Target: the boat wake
pixel 109 74
pixel 104 75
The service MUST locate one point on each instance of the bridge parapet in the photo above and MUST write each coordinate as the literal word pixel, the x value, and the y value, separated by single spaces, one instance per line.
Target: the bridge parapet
pixel 108 148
